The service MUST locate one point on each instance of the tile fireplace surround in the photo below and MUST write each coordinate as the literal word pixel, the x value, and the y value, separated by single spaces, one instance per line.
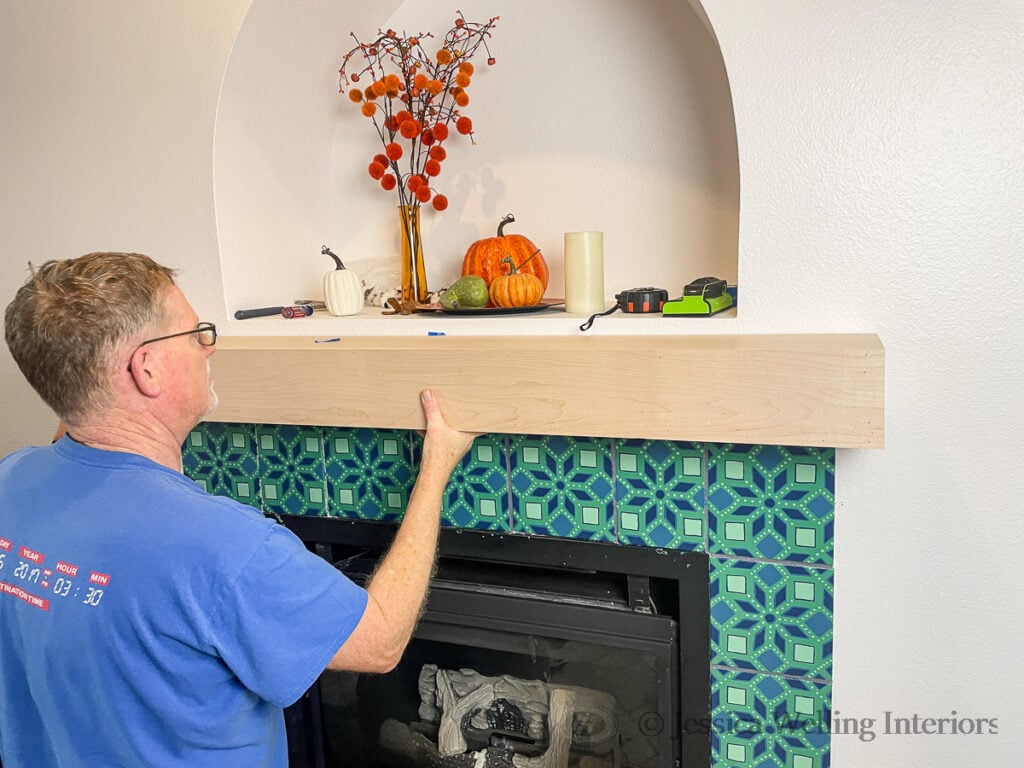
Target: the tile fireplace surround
pixel 762 513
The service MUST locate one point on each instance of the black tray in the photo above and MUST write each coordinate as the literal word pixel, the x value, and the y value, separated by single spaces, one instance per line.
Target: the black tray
pixel 544 304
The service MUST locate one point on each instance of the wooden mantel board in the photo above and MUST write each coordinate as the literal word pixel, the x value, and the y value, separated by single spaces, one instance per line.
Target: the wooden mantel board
pixel 785 389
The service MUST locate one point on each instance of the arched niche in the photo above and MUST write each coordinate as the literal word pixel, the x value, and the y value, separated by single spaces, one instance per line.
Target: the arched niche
pixel 597 115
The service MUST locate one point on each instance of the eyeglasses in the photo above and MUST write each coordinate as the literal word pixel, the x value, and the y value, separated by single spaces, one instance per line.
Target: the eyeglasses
pixel 206 334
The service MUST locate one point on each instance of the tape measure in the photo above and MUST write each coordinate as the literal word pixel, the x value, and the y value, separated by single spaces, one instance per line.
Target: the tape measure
pixel 642 300
pixel 634 301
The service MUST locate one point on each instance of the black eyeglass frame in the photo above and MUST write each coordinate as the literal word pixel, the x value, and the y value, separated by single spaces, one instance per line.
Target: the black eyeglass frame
pixel 200 329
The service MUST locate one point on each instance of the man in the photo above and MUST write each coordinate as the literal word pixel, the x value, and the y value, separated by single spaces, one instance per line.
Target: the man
pixel 144 622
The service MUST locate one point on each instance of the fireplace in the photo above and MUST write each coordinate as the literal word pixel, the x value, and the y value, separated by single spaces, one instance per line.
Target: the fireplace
pixel 561 652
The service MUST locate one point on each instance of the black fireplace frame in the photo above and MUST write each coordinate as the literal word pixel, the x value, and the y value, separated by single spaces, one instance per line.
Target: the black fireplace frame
pixel 650 577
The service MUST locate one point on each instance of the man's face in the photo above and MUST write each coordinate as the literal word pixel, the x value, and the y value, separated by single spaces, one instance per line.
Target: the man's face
pixel 187 369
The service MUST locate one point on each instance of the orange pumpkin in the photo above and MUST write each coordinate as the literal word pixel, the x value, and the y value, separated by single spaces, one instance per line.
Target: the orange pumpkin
pixel 518 288
pixel 484 256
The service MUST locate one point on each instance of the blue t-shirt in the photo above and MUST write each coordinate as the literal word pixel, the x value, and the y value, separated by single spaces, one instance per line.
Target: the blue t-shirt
pixel 144 622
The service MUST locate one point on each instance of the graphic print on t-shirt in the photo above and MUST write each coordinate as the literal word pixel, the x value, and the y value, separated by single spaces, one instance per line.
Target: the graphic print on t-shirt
pixel 32 582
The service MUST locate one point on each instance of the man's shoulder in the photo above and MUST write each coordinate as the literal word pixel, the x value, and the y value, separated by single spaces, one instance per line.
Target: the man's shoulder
pixel 19 455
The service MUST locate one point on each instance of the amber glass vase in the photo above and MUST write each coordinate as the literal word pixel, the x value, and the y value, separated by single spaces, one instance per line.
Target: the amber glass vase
pixel 414 277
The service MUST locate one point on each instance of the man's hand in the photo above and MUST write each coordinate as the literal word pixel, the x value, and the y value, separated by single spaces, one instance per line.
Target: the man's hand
pixel 442 445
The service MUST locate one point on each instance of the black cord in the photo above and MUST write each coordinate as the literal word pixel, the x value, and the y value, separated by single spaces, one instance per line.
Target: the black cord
pixel 590 322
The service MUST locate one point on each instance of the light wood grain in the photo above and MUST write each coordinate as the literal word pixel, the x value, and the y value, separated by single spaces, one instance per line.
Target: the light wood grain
pixel 798 389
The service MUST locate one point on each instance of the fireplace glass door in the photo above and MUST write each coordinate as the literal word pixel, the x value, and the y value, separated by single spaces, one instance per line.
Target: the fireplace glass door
pixel 532 652
pixel 559 672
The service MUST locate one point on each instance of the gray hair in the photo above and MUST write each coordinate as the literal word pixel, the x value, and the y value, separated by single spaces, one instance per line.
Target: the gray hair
pixel 70 319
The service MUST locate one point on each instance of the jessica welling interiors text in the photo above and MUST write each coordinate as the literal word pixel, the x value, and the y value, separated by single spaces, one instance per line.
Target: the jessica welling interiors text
pixel 865 728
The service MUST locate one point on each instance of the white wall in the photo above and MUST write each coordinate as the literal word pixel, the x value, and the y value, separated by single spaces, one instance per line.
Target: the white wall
pixel 881 173
pixel 106 143
pixel 881 169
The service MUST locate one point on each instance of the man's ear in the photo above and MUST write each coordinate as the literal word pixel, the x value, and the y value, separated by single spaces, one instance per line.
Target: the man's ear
pixel 145 372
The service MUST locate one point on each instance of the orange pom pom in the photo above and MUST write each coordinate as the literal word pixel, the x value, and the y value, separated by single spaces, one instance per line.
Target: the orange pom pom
pixel 423 193
pixel 368 109
pixel 355 95
pixel 440 202
pixel 377 170
pixel 427 138
pixel 393 151
pixel 432 167
pixel 444 56
pixel 467 67
pixel 462 98
pixel 438 153
pixel 435 87
pixel 389 182
pixel 415 182
pixel 410 129
pixel 463 125
pixel 382 159
pixel 463 79
pixel 440 131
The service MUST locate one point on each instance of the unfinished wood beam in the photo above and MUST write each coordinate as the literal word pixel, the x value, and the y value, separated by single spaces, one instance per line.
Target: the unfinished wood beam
pixel 775 389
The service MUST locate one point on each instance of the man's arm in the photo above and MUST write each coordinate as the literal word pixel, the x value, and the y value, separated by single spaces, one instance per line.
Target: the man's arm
pixel 398 588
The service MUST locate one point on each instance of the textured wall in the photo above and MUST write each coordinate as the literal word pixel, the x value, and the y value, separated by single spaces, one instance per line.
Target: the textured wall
pixel 881 176
pixel 880 165
pixel 106 144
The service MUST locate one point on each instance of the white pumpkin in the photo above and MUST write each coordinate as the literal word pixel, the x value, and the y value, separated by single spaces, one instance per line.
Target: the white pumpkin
pixel 343 292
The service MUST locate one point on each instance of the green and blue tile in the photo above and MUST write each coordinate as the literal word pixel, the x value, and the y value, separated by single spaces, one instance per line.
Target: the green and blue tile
pixel 772 502
pixel 476 496
pixel 766 720
pixel 369 472
pixel 771 617
pixel 562 486
pixel 222 459
pixel 291 468
pixel 659 494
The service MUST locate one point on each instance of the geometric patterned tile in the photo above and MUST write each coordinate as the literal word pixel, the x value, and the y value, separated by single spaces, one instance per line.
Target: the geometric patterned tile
pixel 562 486
pixel 291 467
pixel 659 494
pixel 476 496
pixel 772 502
pixel 771 617
pixel 767 720
pixel 369 472
pixel 222 459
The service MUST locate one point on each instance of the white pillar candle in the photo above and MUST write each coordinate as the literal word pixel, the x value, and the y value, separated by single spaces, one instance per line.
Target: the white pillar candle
pixel 584 272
